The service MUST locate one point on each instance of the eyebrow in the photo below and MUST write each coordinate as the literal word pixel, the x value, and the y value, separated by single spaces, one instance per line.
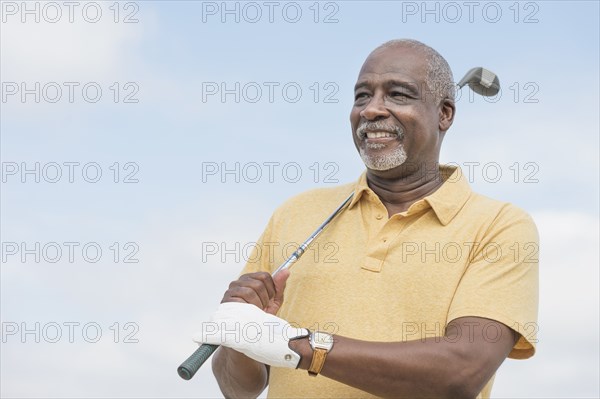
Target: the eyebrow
pixel 410 87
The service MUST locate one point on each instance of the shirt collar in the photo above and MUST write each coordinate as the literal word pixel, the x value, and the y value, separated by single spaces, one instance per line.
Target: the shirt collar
pixel 446 201
pixel 450 198
pixel 360 188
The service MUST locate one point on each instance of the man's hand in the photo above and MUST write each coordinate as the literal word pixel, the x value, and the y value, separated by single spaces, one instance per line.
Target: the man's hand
pixel 259 289
pixel 237 374
pixel 259 335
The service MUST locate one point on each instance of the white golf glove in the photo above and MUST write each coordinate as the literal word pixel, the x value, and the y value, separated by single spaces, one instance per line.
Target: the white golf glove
pixel 249 330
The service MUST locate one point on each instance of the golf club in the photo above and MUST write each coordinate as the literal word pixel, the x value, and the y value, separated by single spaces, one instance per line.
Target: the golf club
pixel 482 81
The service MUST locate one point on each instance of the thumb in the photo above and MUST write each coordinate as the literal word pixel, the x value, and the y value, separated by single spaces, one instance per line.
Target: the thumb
pixel 280 281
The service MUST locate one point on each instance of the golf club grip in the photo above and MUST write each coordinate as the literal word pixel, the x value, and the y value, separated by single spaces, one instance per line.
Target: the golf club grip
pixel 188 368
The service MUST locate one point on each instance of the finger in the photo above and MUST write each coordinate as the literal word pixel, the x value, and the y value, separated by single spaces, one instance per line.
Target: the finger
pixel 243 294
pixel 261 290
pixel 280 281
pixel 267 280
pixel 261 283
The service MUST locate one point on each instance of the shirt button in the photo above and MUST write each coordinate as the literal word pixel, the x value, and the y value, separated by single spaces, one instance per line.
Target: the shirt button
pixel 384 240
pixel 379 216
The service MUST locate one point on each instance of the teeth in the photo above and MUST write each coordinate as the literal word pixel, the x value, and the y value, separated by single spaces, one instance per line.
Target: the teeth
pixel 378 135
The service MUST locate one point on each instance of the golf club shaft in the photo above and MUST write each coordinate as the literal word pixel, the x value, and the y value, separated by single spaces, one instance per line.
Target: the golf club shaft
pixel 192 364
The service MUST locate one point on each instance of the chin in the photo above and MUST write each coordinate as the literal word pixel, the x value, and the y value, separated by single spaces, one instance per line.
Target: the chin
pixel 384 162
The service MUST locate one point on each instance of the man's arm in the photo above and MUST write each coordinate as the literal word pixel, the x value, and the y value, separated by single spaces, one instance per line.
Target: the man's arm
pixel 457 365
pixel 238 375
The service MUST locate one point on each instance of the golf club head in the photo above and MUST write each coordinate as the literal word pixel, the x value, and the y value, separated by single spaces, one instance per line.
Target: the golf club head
pixel 482 81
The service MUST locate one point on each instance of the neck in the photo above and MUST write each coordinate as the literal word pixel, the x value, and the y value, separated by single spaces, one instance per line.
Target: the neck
pixel 398 194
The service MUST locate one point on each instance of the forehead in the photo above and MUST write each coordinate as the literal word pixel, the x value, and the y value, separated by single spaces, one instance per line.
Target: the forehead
pixel 398 63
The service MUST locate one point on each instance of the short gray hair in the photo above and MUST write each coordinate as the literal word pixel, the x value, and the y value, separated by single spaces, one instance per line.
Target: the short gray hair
pixel 439 77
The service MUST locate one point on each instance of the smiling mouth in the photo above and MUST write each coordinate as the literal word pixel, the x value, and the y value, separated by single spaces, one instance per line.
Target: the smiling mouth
pixel 380 135
pixel 379 131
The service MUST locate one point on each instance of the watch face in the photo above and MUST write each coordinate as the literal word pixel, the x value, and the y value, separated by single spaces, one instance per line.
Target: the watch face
pixel 322 340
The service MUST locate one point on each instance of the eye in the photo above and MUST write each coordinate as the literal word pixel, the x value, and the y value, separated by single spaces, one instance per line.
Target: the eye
pixel 361 95
pixel 398 94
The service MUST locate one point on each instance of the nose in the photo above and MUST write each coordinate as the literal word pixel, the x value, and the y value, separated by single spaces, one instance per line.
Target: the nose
pixel 375 109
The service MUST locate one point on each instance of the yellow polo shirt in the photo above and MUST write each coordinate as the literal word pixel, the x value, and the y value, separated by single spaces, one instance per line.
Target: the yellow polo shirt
pixel 452 254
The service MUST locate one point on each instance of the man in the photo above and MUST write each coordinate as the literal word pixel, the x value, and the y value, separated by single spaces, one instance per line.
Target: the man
pixel 429 286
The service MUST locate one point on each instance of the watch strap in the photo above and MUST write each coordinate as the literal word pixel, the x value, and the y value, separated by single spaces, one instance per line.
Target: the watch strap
pixel 318 360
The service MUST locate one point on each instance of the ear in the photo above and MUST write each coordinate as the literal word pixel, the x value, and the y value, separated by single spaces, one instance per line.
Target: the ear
pixel 447 111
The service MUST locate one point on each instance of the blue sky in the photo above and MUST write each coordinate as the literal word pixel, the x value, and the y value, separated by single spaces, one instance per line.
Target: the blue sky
pixel 541 133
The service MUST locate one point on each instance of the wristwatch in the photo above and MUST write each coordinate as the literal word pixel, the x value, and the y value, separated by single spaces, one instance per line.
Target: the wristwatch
pixel 321 343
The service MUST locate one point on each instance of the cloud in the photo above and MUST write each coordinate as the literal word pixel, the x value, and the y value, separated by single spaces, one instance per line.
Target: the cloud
pixel 65 51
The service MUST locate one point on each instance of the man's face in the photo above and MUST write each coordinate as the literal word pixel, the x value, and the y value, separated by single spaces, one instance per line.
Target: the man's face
pixel 395 119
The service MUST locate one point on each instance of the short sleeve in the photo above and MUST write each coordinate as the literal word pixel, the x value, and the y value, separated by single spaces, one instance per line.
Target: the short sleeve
pixel 501 280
